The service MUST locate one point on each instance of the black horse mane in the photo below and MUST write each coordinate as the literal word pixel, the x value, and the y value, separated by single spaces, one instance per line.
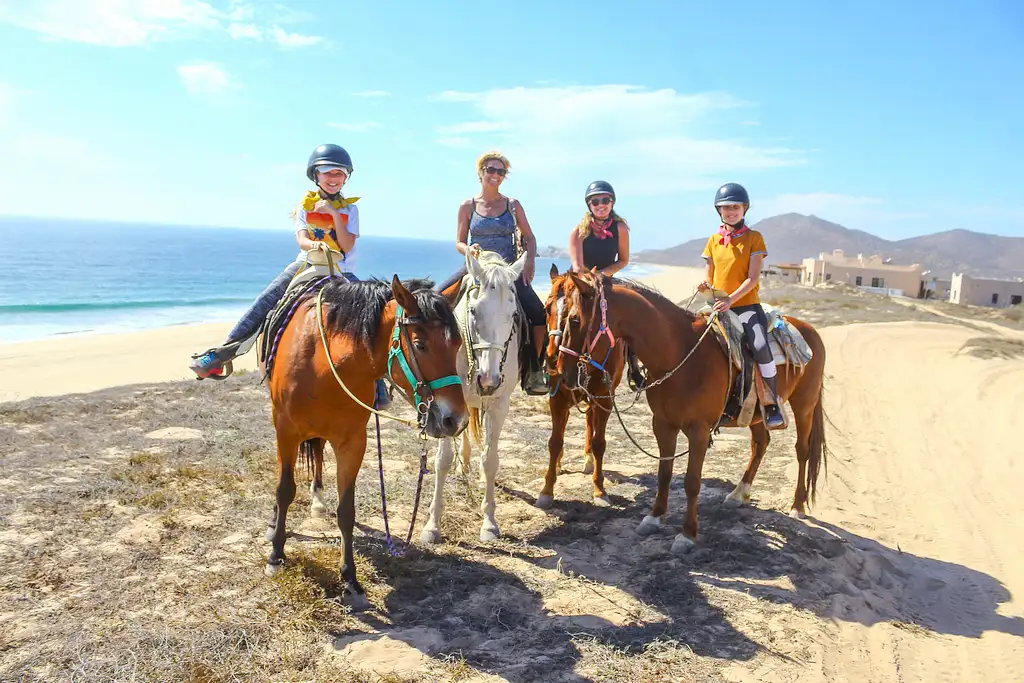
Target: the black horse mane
pixel 356 307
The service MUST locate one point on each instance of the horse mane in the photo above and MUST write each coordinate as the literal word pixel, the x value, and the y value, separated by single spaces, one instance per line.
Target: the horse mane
pixel 495 270
pixel 356 307
pixel 649 292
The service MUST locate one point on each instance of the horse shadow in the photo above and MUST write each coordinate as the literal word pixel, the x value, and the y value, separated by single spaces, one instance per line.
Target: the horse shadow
pixel 829 571
pixel 451 608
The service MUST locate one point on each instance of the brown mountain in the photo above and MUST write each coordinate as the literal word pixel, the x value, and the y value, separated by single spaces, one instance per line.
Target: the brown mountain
pixel 792 237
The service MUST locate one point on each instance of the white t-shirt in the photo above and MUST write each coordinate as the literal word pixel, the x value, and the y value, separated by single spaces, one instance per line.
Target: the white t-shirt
pixel 316 224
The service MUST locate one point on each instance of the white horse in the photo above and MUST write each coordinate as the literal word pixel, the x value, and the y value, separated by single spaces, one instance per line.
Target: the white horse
pixel 489 317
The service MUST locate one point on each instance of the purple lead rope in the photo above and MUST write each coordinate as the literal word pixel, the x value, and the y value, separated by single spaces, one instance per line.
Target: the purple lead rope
pixel 395 552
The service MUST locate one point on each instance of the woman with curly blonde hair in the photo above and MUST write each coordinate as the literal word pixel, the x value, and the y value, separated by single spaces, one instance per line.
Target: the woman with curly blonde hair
pixel 490 220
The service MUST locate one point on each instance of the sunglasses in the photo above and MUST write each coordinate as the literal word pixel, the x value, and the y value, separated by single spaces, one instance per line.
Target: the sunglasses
pixel 600 201
pixel 492 169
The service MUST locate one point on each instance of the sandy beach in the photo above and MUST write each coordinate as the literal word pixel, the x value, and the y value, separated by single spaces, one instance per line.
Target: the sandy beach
pixel 83 363
pixel 908 569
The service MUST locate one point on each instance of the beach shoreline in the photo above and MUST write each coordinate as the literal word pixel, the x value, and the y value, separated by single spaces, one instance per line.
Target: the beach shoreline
pixel 80 363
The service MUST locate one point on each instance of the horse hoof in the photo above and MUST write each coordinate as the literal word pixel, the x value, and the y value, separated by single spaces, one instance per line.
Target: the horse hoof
pixel 682 545
pixel 488 535
pixel 649 526
pixel 544 501
pixel 797 514
pixel 602 501
pixel 588 468
pixel 357 602
pixel 317 512
pixel 273 568
pixel 270 533
pixel 430 536
pixel 739 496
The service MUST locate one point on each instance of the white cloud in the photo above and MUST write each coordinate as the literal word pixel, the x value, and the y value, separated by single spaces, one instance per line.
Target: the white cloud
pixel 128 23
pixel 205 78
pixel 654 140
pixel 290 40
pixel 240 31
pixel 470 127
pixel 371 93
pixel 355 127
pixel 116 23
pixel 453 141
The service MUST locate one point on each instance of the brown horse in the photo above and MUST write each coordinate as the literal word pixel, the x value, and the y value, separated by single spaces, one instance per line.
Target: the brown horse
pixel 688 387
pixel 371 329
pixel 574 380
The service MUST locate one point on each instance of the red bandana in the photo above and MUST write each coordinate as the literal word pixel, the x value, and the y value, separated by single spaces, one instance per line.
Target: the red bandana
pixel 729 235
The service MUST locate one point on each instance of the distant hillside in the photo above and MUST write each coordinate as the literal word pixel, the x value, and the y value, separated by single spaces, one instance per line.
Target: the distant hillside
pixel 793 237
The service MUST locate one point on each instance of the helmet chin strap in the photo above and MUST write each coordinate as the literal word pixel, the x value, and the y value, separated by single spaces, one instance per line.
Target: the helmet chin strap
pixel 329 195
pixel 735 226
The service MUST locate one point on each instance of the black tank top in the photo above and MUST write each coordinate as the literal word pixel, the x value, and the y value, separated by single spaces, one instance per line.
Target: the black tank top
pixel 598 253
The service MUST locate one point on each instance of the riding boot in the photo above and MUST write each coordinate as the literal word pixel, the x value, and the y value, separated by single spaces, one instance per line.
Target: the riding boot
pixel 773 411
pixel 637 381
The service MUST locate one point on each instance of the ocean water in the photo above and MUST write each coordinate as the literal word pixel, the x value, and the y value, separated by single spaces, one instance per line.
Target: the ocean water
pixel 65 278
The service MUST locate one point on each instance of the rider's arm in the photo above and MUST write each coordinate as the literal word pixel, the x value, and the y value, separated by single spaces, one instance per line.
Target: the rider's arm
pixel 306 243
pixel 709 262
pixel 576 251
pixel 529 240
pixel 347 232
pixel 623 259
pixel 462 231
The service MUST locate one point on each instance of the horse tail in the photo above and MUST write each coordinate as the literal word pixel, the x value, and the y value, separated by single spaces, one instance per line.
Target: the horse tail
pixel 817 447
pixel 475 425
pixel 308 451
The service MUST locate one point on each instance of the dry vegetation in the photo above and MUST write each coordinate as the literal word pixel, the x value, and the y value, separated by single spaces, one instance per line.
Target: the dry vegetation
pixel 132 546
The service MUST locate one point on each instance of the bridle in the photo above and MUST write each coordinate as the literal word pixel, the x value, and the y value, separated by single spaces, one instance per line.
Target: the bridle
pixel 585 357
pixel 472 346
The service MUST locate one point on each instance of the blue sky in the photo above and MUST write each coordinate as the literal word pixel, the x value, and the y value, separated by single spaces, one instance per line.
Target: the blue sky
pixel 895 118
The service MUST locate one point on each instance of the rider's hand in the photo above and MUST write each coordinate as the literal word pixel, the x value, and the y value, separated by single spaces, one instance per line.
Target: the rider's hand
pixel 529 268
pixel 703 287
pixel 723 305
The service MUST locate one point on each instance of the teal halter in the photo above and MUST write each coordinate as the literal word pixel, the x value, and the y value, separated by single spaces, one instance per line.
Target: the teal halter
pixel 422 401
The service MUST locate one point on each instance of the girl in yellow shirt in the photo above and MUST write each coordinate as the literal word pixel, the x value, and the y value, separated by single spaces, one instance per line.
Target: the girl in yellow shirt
pixel 734 256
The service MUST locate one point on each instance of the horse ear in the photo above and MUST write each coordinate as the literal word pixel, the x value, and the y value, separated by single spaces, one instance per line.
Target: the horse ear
pixel 520 263
pixel 473 265
pixel 454 292
pixel 583 286
pixel 404 297
pixel 554 271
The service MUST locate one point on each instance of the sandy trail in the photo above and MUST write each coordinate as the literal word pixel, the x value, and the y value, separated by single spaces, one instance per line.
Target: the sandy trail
pixel 929 460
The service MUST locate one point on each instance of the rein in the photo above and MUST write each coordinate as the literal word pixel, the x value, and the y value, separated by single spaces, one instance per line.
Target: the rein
pixel 603 302
pixel 472 347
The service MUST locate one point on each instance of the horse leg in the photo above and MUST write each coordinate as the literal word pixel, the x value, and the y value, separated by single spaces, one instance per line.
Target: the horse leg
pixel 666 436
pixel 494 418
pixel 317 505
pixel 588 446
pixel 759 440
pixel 699 437
pixel 287 454
pixel 349 458
pixel 597 423
pixel 442 463
pixel 559 417
pixel 804 424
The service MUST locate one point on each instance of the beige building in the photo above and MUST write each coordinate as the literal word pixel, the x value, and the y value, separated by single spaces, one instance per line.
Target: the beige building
pixel 870 272
pixel 978 291
pixel 784 272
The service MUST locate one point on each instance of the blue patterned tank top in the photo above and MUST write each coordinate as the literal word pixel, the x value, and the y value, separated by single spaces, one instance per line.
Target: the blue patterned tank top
pixel 495 233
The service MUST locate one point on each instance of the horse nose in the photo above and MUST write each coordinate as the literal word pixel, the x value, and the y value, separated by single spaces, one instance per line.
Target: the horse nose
pixel 451 423
pixel 488 383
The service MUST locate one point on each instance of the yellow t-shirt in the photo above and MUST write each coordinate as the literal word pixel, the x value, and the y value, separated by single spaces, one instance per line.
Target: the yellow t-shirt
pixel 732 263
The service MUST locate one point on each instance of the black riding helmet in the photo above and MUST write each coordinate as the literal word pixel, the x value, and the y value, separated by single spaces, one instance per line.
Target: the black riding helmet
pixel 328 155
pixel 732 193
pixel 599 187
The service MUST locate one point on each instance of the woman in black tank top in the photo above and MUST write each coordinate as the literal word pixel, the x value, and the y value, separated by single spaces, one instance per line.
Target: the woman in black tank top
pixel 601 241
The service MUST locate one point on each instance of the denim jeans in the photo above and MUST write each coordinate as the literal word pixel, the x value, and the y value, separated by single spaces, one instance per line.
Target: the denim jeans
pixel 250 322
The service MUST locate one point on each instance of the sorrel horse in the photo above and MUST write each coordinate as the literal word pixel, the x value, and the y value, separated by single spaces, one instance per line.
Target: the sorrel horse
pixel 489 318
pixel 688 387
pixel 575 378
pixel 353 334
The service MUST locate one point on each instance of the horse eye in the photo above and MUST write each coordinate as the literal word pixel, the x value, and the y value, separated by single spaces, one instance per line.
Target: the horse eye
pixel 419 344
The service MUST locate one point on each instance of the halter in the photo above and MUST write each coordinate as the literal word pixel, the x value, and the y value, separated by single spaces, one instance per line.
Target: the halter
pixel 586 356
pixel 422 391
pixel 472 347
